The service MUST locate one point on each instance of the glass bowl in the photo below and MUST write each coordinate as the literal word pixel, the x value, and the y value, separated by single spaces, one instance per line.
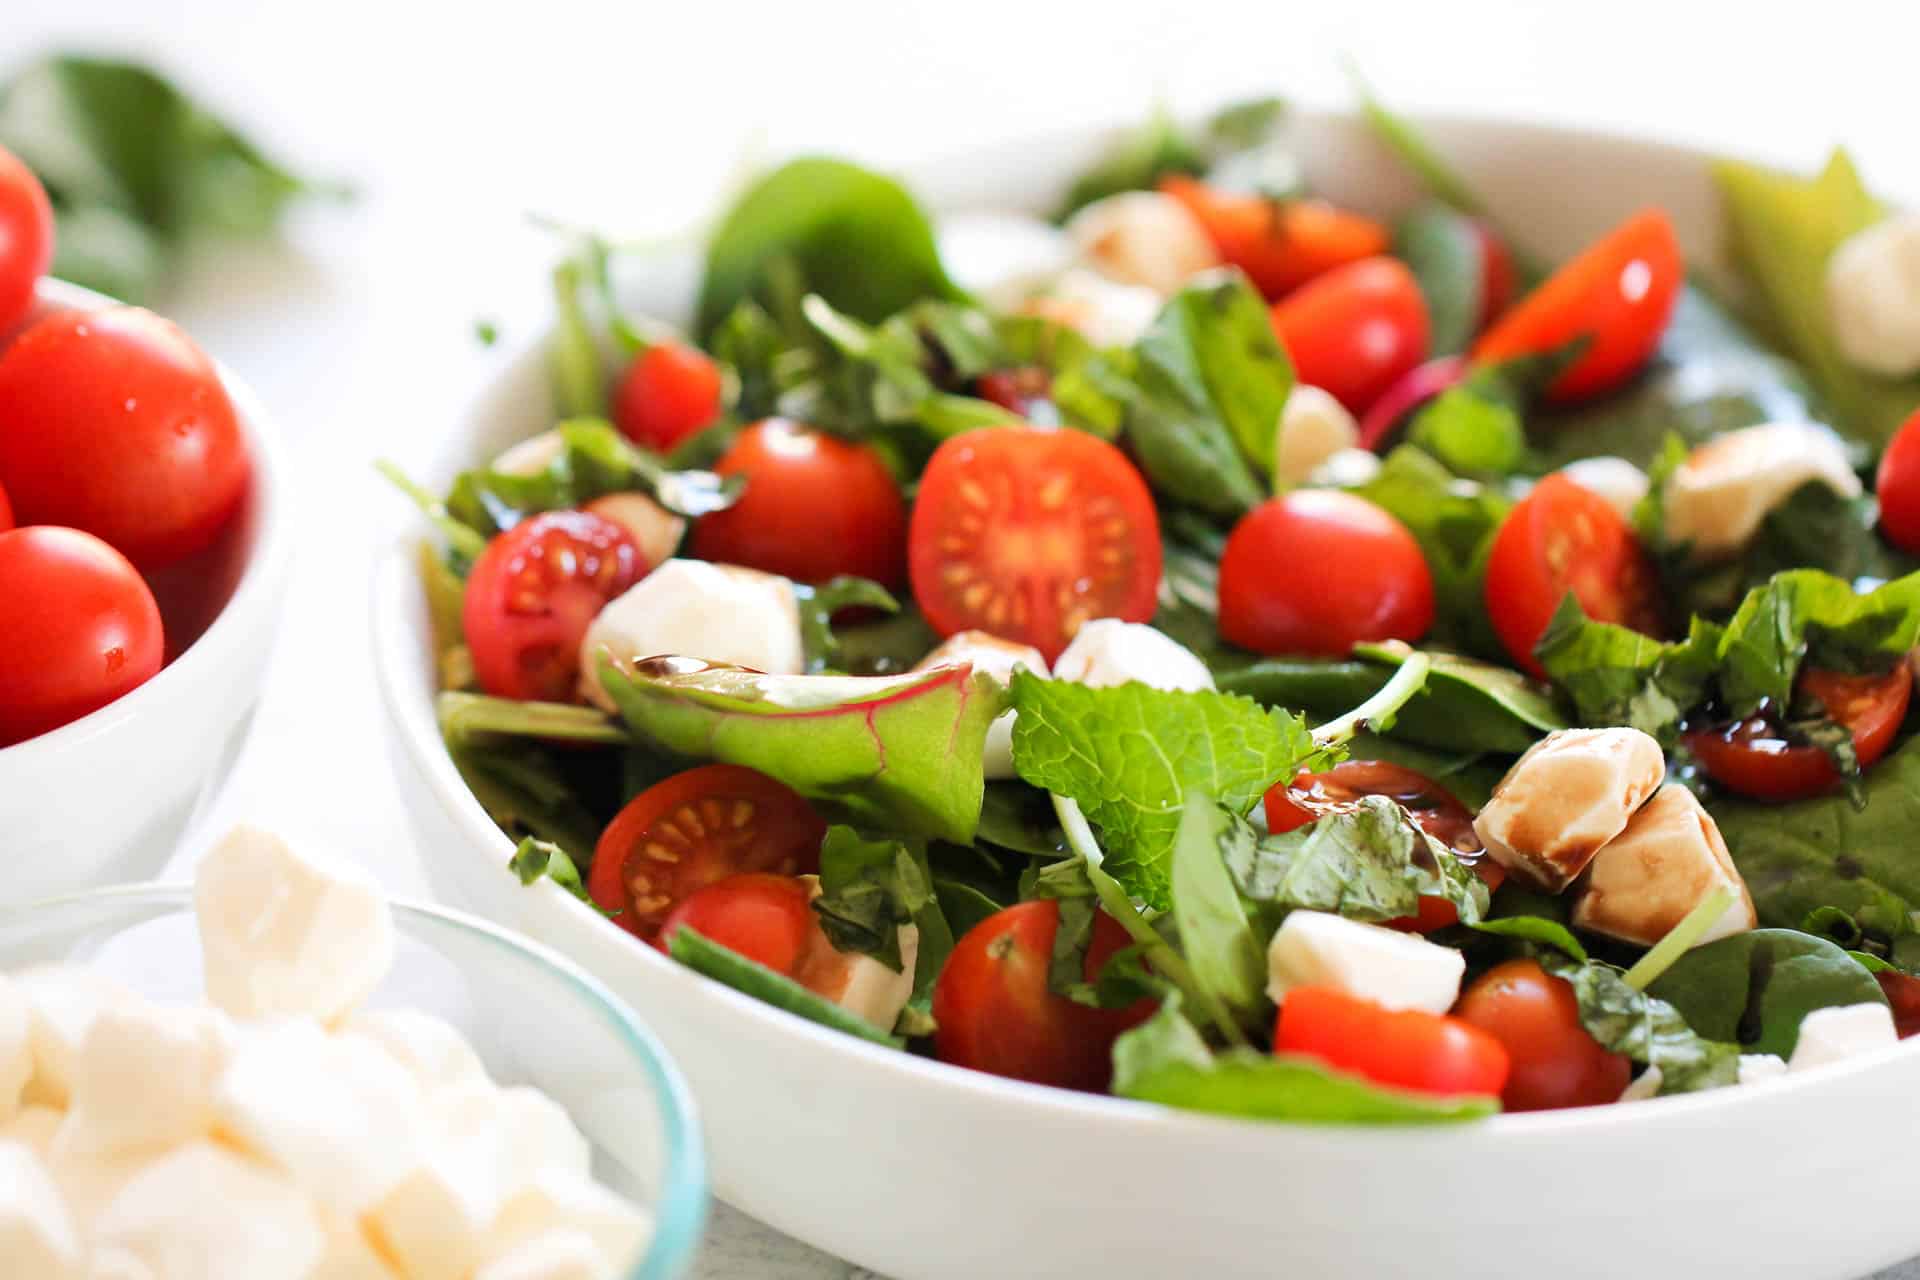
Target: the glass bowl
pixel 533 1017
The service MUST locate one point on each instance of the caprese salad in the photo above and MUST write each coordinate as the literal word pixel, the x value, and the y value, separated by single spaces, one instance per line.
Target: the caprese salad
pixel 1226 648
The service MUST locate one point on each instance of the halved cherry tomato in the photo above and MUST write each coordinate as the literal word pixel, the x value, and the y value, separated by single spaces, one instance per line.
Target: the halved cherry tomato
pixel 1497 274
pixel 1752 758
pixel 670 391
pixel 994 1013
pixel 1618 294
pixel 1280 244
pixel 764 917
pixel 1317 571
pixel 1903 996
pixel 1028 532
pixel 1404 1048
pixel 6 512
pixel 1356 330
pixel 1537 1017
pixel 1562 538
pixel 1898 487
pixel 532 594
pixel 815 507
pixel 26 238
pixel 697 829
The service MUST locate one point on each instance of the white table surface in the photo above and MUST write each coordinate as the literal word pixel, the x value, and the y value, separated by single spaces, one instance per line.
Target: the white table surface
pixel 453 120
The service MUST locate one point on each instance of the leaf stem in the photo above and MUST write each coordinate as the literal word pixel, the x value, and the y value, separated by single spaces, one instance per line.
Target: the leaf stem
pixel 1679 939
pixel 1378 710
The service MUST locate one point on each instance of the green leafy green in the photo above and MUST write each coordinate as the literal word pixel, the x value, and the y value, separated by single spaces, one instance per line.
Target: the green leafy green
pixel 594 460
pixel 1016 816
pixel 1470 432
pixel 722 964
pixel 1446 255
pixel 818 604
pixel 473 717
pixel 964 905
pixel 868 890
pixel 1215 935
pixel 542 859
pixel 1536 929
pixel 1808 616
pixel 1618 676
pixel 1646 1029
pixel 1139 158
pixel 1754 988
pixel 526 792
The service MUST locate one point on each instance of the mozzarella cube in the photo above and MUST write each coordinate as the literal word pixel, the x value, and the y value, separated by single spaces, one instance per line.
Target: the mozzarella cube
pixel 349 1255
pixel 858 983
pixel 284 934
pixel 1717 498
pixel 144 1079
pixel 1621 483
pixel 1645 880
pixel 334 1111
pixel 530 457
pixel 1563 800
pixel 1003 258
pixel 34 1126
pixel 1873 297
pixel 1757 1067
pixel 1347 469
pixel 62 1004
pixel 38 1238
pixel 1398 970
pixel 1144 238
pixel 1643 1086
pixel 90 1183
pixel 1104 312
pixel 1842 1031
pixel 997 658
pixel 203 1211
pixel 1313 428
pixel 552 1255
pixel 655 529
pixel 1108 652
pixel 696 609
pixel 431 1049
pixel 557 1200
pixel 16 1046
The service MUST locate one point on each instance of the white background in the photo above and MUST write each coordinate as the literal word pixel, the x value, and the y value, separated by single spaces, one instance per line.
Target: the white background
pixel 454 120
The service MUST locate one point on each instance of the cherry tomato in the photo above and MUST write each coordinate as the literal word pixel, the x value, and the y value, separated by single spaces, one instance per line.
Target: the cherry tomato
pixel 1404 1048
pixel 697 829
pixel 1562 538
pixel 113 421
pixel 1497 274
pixel 1752 758
pixel 1618 294
pixel 667 393
pixel 1025 390
pixel 532 594
pixel 6 512
pixel 995 1014
pixel 1898 487
pixel 815 507
pixel 80 629
pixel 1317 571
pixel 1537 1017
pixel 1903 996
pixel 26 238
pixel 1355 330
pixel 766 918
pixel 1028 532
pixel 1280 244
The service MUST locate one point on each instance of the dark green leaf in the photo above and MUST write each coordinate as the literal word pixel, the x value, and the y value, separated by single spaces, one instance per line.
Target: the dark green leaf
pixel 869 889
pixel 964 905
pixel 1538 929
pixel 1646 1029
pixel 1016 816
pixel 1446 255
pixel 818 605
pixel 1617 676
pixel 1813 616
pixel 722 964
pixel 1754 988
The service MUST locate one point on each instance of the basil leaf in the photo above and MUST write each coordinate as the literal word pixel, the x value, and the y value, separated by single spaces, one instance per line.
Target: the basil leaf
pixel 1216 937
pixel 868 890
pixel 1812 616
pixel 1470 432
pixel 1646 1029
pixel 1755 988
pixel 1617 676
pixel 708 958
pixel 1537 929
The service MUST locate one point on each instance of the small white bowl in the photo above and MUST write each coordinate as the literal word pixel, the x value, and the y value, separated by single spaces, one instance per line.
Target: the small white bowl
pixel 106 798
pixel 916 1169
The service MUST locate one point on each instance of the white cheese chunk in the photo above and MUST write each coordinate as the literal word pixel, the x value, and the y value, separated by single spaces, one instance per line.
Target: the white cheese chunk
pixel 348 1253
pixel 1144 238
pixel 1564 799
pixel 1003 258
pixel 285 934
pixel 16 1046
pixel 1398 970
pixel 144 1079
pixel 1873 297
pixel 1842 1031
pixel 1104 312
pixel 995 657
pixel 62 1003
pixel 38 1238
pixel 655 529
pixel 530 457
pixel 560 1201
pixel 1313 428
pixel 859 983
pixel 552 1255
pixel 1621 483
pixel 1643 1086
pixel 1347 469
pixel 203 1211
pixel 430 1048
pixel 1756 1067
pixel 1717 498
pixel 1645 880
pixel 34 1126
pixel 1107 652
pixel 696 609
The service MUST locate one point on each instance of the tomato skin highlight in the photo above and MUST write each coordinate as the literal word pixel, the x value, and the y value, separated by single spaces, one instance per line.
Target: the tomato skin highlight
pixel 815 507
pixel 81 629
pixel 1280 244
pixel 1356 330
pixel 696 829
pixel 1404 1048
pixel 668 392
pixel 1619 294
pixel 1029 532
pixel 116 423
pixel 1897 485
pixel 1556 1063
pixel 1752 760
pixel 765 917
pixel 1316 571
pixel 532 594
pixel 994 1013
pixel 26 238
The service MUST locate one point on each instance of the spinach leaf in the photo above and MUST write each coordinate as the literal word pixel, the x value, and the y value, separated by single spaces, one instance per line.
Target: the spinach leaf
pixel 1617 676
pixel 723 964
pixel 1815 528
pixel 893 753
pixel 1018 817
pixel 1471 432
pixel 1129 755
pixel 1165 1060
pixel 964 905
pixel 1216 937
pixel 535 859
pixel 857 239
pixel 1646 1029
pixel 1754 988
pixel 1161 147
pixel 818 605
pixel 1444 251
pixel 868 890
pixel 885 646
pixel 1536 929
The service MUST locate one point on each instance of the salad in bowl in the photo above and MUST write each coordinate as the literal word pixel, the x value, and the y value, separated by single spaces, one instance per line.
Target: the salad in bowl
pixel 1227 648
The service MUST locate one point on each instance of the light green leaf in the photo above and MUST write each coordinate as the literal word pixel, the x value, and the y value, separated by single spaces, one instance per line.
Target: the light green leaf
pixel 1215 936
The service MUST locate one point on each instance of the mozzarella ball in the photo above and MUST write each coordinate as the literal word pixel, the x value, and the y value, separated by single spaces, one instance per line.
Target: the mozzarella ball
pixel 1398 970
pixel 1144 238
pixel 1108 652
pixel 1313 428
pixel 1563 800
pixel 1726 487
pixel 1873 297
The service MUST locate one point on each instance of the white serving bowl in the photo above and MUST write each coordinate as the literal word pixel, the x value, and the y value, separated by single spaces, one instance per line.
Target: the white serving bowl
pixel 916 1169
pixel 106 798
pixel 533 1018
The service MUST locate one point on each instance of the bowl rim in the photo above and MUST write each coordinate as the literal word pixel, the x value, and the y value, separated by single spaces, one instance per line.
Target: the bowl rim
pixel 395 546
pixel 250 606
pixel 680 1209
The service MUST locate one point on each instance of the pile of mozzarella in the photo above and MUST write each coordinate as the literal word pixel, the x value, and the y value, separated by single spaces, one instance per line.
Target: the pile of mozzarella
pixel 281 1132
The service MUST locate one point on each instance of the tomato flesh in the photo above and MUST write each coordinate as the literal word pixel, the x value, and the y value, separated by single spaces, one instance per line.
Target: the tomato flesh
pixel 26 238
pixel 1356 330
pixel 697 829
pixel 765 917
pixel 1029 532
pixel 1903 997
pixel 1556 1063
pixel 669 392
pixel 1753 759
pixel 1898 487
pixel 1280 244
pixel 1402 1048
